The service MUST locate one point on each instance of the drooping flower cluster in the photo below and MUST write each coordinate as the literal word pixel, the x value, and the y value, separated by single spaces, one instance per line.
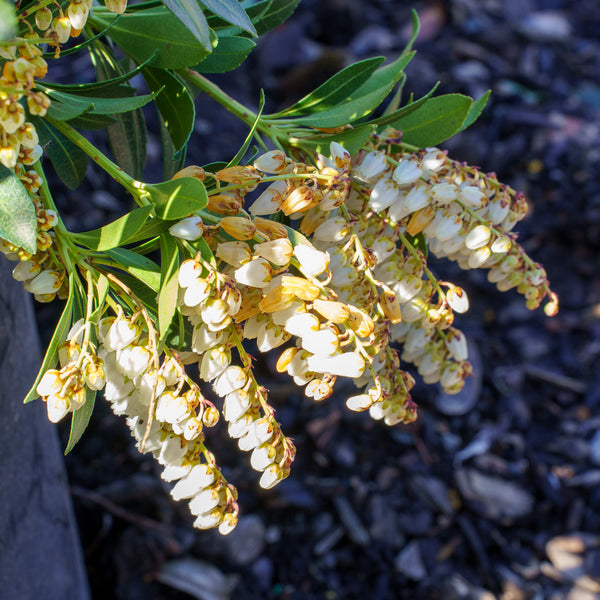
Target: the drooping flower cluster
pixel 344 291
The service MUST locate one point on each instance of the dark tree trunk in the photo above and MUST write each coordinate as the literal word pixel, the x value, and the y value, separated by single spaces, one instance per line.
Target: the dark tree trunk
pixel 40 555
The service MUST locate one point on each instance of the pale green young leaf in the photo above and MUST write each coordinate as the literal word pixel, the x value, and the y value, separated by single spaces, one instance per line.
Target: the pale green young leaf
pixel 169 287
pixel 435 120
pixel 154 33
pixel 191 15
pixel 335 89
pixel 18 224
pixel 178 198
pixel 58 337
pixel 232 12
pixel 116 233
pixel 174 103
pixel 230 53
pixel 69 161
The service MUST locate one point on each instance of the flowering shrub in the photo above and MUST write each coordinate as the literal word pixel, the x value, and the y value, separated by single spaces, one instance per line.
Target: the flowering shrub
pixel 316 249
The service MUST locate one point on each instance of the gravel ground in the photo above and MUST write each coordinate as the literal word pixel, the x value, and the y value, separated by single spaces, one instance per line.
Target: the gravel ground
pixel 491 494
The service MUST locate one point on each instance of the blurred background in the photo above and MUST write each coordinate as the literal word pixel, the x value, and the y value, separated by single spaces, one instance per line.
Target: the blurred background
pixel 494 493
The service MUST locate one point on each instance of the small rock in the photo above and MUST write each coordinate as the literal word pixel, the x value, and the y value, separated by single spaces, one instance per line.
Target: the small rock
pixel 434 492
pixel 384 527
pixel 458 588
pixel 547 26
pixel 410 562
pixel 461 403
pixel 595 449
pixel 566 553
pixel 247 541
pixel 493 497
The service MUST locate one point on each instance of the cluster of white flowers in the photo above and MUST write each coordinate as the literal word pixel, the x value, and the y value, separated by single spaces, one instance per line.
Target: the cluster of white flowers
pixel 352 296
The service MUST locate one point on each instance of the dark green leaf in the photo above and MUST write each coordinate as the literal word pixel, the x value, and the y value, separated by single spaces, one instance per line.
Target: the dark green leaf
pixel 101 105
pixel 8 21
pixel 178 198
pixel 69 162
pixel 230 53
pixel 335 89
pixel 90 122
pixel 476 110
pixel 201 246
pixel 88 89
pixel 174 103
pixel 167 297
pixel 62 111
pixel 419 242
pixel 80 419
pixel 18 223
pixel 435 120
pixel 191 15
pixel 116 233
pixel 58 337
pixel 232 12
pixel 141 267
pixel 127 136
pixel 279 12
pixel 172 161
pixel 141 34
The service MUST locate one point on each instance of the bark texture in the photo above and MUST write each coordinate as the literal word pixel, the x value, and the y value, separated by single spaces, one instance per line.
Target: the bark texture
pixel 40 554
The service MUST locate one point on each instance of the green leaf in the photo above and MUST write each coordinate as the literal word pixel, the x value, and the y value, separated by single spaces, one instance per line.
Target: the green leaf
pixel 116 233
pixel 172 161
pixel 419 242
pixel 435 120
pixel 62 111
pixel 89 121
pixel 178 198
pixel 191 15
pixel 69 161
pixel 201 246
pixel 476 110
pixel 416 27
pixel 335 89
pixel 232 12
pixel 167 297
pixel 389 119
pixel 151 229
pixel 385 77
pixel 80 419
pixel 279 11
pixel 58 337
pixel 102 289
pixel 127 136
pixel 143 33
pixel 18 223
pixel 141 267
pixel 174 103
pixel 363 101
pixel 230 53
pixel 88 89
pixel 353 139
pixel 102 105
pixel 8 21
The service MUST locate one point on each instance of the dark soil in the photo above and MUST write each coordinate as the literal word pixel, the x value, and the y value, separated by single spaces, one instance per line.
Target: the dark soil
pixel 492 494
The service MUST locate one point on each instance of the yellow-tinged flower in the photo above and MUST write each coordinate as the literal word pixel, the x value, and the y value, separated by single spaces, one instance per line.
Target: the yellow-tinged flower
pixel 239 228
pixel 300 288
